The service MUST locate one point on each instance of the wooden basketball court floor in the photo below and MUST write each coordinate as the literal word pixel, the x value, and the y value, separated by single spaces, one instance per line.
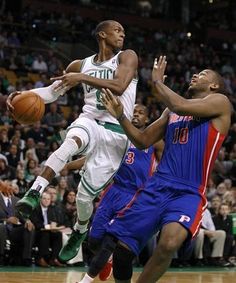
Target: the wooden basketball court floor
pixel 73 275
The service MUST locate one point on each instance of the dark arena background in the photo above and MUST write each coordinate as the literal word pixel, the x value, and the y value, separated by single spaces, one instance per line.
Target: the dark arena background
pixel 38 39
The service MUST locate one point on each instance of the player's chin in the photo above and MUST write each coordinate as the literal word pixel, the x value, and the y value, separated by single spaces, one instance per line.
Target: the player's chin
pixel 135 123
pixel 119 45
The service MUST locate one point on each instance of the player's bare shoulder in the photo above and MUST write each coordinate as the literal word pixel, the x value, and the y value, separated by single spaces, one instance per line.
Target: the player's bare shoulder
pixel 220 101
pixel 128 54
pixel 74 66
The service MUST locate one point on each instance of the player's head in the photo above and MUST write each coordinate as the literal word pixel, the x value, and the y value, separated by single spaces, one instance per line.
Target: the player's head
pixel 140 116
pixel 207 81
pixel 110 33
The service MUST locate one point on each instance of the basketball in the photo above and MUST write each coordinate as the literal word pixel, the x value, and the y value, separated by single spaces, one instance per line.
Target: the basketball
pixel 28 107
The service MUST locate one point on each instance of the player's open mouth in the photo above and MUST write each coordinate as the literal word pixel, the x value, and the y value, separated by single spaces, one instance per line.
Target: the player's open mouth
pixel 134 120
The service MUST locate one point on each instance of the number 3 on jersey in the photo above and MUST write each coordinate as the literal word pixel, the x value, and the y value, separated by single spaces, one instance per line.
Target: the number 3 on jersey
pixel 99 104
pixel 130 157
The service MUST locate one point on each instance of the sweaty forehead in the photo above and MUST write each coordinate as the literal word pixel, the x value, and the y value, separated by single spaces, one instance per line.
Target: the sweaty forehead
pixel 139 107
pixel 114 24
pixel 207 73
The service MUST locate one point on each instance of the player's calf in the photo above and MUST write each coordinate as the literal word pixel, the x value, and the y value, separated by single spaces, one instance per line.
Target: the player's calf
pixel 122 264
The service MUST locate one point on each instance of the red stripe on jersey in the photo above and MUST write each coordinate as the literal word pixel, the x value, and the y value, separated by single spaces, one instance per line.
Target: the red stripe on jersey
pixel 213 145
pixel 153 164
pixel 198 217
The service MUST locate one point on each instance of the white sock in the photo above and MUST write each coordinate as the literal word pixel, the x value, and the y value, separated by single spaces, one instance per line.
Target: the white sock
pixel 81 228
pixel 87 279
pixel 39 184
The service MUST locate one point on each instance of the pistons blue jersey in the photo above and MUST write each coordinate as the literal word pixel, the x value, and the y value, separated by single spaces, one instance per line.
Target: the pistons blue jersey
pixel 137 166
pixel 191 147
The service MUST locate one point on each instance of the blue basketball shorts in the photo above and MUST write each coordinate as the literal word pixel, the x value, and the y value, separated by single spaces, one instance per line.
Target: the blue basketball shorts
pixel 159 203
pixel 115 201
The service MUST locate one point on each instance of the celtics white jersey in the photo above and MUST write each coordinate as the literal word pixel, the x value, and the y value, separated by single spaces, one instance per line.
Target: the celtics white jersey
pixel 105 70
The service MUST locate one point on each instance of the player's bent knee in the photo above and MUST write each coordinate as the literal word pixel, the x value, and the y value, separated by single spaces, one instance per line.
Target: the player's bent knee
pixel 122 263
pixel 58 158
pixel 94 244
pixel 80 136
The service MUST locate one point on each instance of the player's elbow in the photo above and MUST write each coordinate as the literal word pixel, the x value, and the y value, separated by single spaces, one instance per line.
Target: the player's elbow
pixel 178 109
pixel 142 144
pixel 118 88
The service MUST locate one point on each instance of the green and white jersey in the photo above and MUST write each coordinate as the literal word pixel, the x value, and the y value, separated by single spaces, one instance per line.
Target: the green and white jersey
pixel 92 96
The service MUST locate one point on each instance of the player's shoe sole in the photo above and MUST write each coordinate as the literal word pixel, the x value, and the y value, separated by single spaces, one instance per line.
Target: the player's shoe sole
pixel 27 204
pixel 106 272
pixel 72 246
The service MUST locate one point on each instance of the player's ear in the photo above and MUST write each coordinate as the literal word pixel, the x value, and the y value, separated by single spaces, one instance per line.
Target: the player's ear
pixel 102 34
pixel 147 121
pixel 214 87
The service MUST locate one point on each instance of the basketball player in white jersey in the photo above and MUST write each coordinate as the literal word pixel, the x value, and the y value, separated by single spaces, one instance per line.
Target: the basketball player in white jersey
pixel 95 134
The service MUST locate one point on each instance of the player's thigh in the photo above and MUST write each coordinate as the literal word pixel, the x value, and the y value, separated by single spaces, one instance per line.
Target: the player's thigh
pixel 113 201
pixel 186 209
pixel 102 164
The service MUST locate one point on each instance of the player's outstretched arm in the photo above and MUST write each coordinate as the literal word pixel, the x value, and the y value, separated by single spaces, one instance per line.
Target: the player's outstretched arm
pixel 75 164
pixel 141 139
pixel 210 106
pixel 48 94
pixel 126 71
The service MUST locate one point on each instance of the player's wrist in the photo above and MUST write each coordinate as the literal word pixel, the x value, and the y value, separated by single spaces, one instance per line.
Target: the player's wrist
pixel 121 117
pixel 158 81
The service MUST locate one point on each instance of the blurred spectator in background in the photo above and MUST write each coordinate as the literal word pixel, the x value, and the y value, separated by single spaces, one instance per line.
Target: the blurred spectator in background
pixel 18 231
pixel 215 240
pixel 21 182
pixel 224 222
pixel 39 64
pixel 215 205
pixel 6 172
pixel 13 156
pixel 44 220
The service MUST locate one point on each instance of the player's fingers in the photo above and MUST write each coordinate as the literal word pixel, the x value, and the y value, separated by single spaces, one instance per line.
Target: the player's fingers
pixel 155 64
pixel 159 61
pixel 57 78
pixel 104 100
pixel 163 60
pixel 9 99
pixel 109 94
pixel 118 101
pixel 59 86
pixel 104 95
pixel 9 106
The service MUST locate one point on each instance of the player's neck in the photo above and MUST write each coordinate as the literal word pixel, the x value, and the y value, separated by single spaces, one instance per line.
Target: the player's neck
pixel 198 95
pixel 104 54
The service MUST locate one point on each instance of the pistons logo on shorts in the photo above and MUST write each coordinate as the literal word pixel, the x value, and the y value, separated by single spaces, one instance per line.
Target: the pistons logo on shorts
pixel 184 218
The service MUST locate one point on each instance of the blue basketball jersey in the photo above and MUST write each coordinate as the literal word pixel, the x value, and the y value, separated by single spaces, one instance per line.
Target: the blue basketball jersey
pixel 135 170
pixel 175 193
pixel 191 147
pixel 137 166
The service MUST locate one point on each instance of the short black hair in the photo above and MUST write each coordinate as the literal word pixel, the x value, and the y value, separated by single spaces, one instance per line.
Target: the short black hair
pixel 220 81
pixel 143 106
pixel 102 27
